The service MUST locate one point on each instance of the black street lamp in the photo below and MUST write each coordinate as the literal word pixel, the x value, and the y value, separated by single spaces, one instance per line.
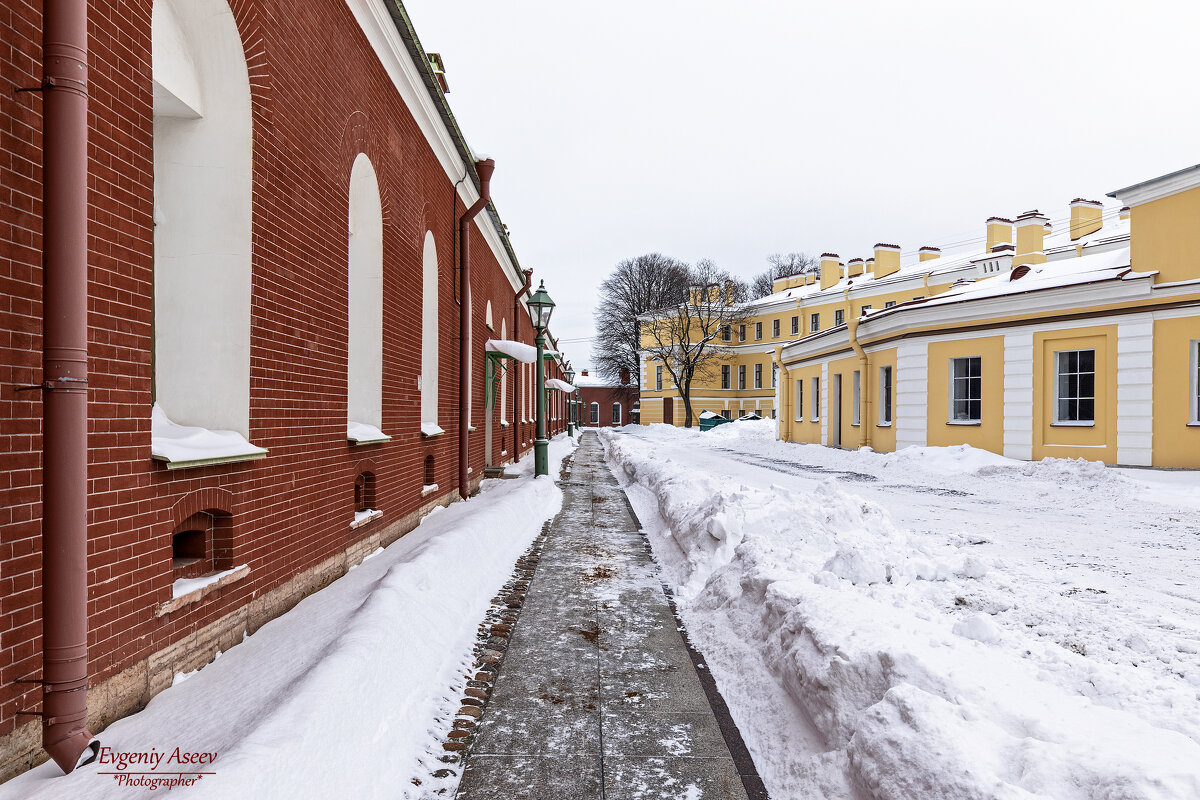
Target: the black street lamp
pixel 540 309
pixel 569 374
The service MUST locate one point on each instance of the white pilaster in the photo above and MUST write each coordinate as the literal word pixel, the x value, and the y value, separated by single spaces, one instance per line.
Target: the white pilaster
pixel 1018 396
pixel 1135 390
pixel 912 391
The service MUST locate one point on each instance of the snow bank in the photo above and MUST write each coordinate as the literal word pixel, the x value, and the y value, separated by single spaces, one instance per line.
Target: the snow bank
pixel 350 693
pixel 906 651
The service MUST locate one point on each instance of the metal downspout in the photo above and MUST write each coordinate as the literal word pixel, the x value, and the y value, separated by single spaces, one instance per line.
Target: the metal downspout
pixel 864 394
pixel 516 388
pixel 785 416
pixel 64 381
pixel 465 317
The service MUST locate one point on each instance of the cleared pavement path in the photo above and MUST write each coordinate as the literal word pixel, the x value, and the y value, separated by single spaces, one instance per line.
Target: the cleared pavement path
pixel 598 695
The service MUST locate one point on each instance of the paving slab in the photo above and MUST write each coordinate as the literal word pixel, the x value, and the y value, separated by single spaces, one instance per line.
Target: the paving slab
pixel 598 696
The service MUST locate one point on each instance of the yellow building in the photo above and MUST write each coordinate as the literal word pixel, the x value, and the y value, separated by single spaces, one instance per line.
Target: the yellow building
pixel 1074 339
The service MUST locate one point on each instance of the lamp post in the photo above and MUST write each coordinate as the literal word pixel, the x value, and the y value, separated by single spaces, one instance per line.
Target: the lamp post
pixel 540 309
pixel 569 374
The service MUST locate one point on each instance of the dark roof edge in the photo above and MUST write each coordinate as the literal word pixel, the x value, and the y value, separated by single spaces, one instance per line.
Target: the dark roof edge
pixel 409 35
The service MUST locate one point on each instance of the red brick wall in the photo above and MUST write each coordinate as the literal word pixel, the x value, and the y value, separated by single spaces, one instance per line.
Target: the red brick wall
pixel 605 396
pixel 292 509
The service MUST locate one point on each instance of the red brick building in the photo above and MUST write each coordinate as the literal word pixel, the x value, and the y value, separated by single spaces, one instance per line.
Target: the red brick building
pixel 605 403
pixel 274 295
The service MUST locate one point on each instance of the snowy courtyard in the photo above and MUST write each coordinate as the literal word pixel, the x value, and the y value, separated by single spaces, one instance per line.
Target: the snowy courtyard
pixel 937 622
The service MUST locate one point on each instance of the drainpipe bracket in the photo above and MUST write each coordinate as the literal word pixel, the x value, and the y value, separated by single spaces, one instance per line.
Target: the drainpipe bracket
pixel 44 86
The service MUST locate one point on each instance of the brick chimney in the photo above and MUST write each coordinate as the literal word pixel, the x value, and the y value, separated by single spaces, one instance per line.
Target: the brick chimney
pixel 831 270
pixel 887 259
pixel 999 231
pixel 624 377
pixel 1086 217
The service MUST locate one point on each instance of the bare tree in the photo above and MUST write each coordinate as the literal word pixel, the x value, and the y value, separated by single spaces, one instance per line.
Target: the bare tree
pixel 781 265
pixel 647 283
pixel 689 338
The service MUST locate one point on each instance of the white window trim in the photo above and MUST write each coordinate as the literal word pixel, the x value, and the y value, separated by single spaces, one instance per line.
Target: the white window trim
pixel 856 391
pixel 758 376
pixel 816 398
pixel 1194 348
pixel 950 420
pixel 882 405
pixel 594 414
pixel 800 400
pixel 617 411
pixel 1068 423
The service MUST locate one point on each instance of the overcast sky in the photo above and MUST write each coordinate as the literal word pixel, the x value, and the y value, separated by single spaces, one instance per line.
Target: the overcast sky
pixel 732 130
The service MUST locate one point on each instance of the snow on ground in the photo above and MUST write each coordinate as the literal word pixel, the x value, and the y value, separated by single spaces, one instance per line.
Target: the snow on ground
pixel 351 692
pixel 934 623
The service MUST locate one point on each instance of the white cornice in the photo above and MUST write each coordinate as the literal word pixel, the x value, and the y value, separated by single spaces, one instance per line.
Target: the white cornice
pixel 380 29
pixel 1158 188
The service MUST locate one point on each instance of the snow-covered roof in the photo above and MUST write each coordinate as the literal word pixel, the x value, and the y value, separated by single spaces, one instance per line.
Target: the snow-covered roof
pixel 1108 265
pixel 562 386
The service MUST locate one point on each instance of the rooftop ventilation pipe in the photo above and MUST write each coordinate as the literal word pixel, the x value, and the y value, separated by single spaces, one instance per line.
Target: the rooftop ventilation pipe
pixel 465 316
pixel 516 389
pixel 64 383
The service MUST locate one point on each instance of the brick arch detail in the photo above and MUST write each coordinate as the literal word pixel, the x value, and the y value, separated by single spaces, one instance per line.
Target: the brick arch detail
pixel 366 465
pixel 211 499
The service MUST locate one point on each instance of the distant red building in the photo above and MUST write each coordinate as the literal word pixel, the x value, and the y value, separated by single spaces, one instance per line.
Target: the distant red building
pixel 606 403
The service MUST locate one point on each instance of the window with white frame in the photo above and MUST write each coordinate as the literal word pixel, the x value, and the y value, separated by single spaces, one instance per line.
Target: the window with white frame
pixel 799 400
pixel 595 413
pixel 741 333
pixel 814 323
pixel 889 304
pixel 758 330
pixel 726 333
pixel 741 376
pixel 816 399
pixel 616 414
pixel 839 316
pixel 774 375
pixel 1075 387
pixel 856 413
pixel 658 379
pixel 885 395
pixel 795 325
pixel 724 376
pixel 1195 372
pixel 774 329
pixel 966 389
pixel 758 376
pixel 862 312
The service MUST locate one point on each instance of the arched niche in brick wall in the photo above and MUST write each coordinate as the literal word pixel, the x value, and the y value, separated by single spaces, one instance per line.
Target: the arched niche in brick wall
pixel 203 168
pixel 429 333
pixel 364 357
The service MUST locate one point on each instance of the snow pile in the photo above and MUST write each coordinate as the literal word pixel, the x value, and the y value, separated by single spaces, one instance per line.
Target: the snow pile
pixel 959 458
pixel 183 443
pixel 524 353
pixel 350 693
pixel 362 433
pixel 911 655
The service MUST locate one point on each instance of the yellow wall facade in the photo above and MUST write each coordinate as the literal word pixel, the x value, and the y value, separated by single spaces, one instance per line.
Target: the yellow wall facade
pixel 941 431
pixel 1176 430
pixel 1165 236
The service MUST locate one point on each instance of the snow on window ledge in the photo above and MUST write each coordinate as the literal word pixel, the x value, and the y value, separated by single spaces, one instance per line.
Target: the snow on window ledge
pixel 429 429
pixel 182 446
pixel 503 423
pixel 361 433
pixel 186 591
pixel 363 517
pixel 429 488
